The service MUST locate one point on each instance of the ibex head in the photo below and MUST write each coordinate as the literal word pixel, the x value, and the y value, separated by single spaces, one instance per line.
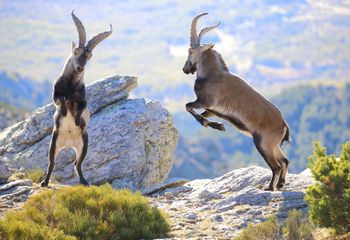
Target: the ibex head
pixel 196 49
pixel 81 53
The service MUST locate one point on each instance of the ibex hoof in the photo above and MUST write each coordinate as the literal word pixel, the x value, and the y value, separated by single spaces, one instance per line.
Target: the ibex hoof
pixel 268 188
pixel 280 186
pixel 205 123
pixel 218 126
pixel 44 184
pixel 84 182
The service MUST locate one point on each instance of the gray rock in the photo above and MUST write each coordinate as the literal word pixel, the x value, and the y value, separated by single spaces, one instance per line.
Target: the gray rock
pixel 130 141
pixel 7 186
pixel 176 190
pixel 191 215
pixel 218 218
pixel 207 195
pixel 14 193
pixel 169 183
pixel 232 201
pixel 5 172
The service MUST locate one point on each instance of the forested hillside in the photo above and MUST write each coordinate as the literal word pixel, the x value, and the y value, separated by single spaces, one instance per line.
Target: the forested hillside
pixel 312 112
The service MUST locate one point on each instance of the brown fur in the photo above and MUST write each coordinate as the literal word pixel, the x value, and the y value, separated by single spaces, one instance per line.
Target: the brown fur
pixel 229 97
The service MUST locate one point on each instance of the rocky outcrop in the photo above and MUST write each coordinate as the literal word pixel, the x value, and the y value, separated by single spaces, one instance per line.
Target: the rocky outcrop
pixel 219 208
pixel 204 208
pixel 14 194
pixel 131 141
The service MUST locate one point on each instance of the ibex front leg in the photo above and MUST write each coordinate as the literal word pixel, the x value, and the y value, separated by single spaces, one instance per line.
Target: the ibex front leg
pixel 202 120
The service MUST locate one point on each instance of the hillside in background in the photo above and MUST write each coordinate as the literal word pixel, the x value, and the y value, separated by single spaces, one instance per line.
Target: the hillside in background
pixel 273 44
pixel 10 115
pixel 23 93
pixel 313 113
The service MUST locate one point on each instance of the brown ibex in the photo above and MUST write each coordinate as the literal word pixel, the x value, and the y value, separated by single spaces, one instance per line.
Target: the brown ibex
pixel 72 115
pixel 227 96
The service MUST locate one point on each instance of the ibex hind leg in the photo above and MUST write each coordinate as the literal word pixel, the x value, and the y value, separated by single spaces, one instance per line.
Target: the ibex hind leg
pixel 53 151
pixel 263 146
pixel 284 163
pixel 81 150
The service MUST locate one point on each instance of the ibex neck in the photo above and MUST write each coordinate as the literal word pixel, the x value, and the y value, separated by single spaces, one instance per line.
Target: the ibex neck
pixel 210 63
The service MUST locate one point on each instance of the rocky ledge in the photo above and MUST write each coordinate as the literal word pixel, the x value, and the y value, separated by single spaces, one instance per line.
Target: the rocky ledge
pixel 219 208
pixel 204 208
pixel 131 141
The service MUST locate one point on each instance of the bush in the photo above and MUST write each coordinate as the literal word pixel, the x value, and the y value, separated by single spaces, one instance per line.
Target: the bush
pixel 85 213
pixel 297 226
pixel 265 230
pixel 36 175
pixel 329 198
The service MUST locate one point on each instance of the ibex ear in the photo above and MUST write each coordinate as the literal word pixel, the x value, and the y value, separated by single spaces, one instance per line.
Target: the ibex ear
pixel 206 47
pixel 73 45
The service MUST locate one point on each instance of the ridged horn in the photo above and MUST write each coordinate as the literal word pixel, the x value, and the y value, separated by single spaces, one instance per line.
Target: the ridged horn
pixel 98 38
pixel 205 30
pixel 194 36
pixel 80 29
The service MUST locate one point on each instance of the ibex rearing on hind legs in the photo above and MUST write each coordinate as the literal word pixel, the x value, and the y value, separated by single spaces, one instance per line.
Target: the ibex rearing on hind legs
pixel 72 116
pixel 229 97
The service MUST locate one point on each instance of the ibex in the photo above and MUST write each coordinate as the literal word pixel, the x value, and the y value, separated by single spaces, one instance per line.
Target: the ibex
pixel 227 96
pixel 72 115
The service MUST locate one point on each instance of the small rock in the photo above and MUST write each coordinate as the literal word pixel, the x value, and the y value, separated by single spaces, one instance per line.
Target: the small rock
pixel 207 195
pixel 168 195
pixel 191 215
pixel 218 218
pixel 177 190
pixel 169 183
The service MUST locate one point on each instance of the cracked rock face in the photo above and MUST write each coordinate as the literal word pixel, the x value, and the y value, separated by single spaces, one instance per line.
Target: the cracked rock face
pixel 220 208
pixel 131 141
pixel 5 172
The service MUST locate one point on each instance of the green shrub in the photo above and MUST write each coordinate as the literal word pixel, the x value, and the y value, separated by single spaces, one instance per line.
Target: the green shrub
pixel 265 230
pixel 36 175
pixel 85 213
pixel 297 226
pixel 329 198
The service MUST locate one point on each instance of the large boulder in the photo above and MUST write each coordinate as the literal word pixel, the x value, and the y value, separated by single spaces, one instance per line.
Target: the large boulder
pixel 131 141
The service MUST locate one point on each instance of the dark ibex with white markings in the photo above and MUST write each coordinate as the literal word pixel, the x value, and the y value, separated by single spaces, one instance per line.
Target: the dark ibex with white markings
pixel 229 97
pixel 72 115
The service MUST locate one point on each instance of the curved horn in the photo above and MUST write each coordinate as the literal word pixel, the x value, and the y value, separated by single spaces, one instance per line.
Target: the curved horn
pixel 97 39
pixel 194 36
pixel 205 30
pixel 80 29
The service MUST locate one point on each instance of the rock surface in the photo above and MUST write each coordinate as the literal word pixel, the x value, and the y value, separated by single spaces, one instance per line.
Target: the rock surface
pixel 14 194
pixel 5 172
pixel 131 141
pixel 221 207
